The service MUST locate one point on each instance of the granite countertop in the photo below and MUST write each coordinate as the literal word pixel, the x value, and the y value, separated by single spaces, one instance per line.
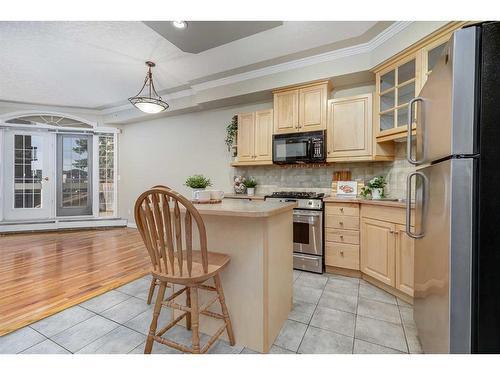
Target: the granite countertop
pixel 245 208
pixel 381 202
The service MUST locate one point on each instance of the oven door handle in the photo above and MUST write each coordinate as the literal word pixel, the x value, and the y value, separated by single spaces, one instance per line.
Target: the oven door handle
pixel 305 219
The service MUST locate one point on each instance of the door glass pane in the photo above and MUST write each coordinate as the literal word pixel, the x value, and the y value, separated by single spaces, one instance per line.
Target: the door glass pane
pixel 433 56
pixel 28 154
pixel 406 93
pixel 403 116
pixel 106 175
pixel 74 171
pixel 406 72
pixel 387 101
pixel 387 81
pixel 387 121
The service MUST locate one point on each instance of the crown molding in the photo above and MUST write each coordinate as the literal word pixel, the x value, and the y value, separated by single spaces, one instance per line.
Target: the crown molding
pixel 358 49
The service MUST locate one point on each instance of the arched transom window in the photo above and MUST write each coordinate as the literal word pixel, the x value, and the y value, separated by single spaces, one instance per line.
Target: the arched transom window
pixel 53 120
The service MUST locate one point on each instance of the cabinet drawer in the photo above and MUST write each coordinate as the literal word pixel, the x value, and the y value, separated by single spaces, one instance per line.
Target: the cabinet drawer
pixel 349 209
pixel 342 255
pixel 342 236
pixel 342 222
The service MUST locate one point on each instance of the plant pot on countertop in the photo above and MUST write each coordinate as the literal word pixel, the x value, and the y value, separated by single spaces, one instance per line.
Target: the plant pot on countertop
pixel 377 193
pixel 251 191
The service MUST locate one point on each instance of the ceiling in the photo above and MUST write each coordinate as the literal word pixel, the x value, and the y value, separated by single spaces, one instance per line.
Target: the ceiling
pixel 98 65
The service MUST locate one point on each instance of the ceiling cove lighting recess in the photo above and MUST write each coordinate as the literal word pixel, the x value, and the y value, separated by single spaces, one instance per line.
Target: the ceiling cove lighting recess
pixel 148 100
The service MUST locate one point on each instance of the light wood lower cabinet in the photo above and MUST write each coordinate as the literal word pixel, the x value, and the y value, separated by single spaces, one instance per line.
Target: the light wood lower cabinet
pixel 378 249
pixel 342 235
pixel 405 252
pixel 387 253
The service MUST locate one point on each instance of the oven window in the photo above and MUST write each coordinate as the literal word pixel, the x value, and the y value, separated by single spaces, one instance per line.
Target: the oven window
pixel 301 233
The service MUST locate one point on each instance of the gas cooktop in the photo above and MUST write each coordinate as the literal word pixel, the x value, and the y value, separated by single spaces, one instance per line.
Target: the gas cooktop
pixel 296 194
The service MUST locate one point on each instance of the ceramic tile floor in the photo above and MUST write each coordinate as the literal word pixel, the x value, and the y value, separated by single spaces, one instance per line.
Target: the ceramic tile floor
pixel 331 314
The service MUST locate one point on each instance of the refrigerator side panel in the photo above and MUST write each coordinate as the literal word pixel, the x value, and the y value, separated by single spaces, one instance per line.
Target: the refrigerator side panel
pixel 487 267
pixel 461 241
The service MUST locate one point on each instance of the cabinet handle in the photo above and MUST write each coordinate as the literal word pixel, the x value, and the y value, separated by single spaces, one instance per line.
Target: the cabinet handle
pixel 342 252
pixel 341 236
pixel 341 209
pixel 341 222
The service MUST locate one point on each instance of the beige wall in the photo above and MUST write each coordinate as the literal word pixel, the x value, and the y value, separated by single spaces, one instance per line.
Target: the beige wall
pixel 166 151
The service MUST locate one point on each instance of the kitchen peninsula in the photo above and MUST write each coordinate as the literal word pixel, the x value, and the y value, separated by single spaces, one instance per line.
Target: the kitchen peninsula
pixel 258 280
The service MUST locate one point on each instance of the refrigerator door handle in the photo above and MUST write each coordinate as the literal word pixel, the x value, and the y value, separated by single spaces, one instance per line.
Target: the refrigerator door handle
pixel 409 135
pixel 408 204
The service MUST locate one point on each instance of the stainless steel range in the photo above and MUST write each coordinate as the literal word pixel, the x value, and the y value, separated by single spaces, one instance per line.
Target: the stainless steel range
pixel 307 228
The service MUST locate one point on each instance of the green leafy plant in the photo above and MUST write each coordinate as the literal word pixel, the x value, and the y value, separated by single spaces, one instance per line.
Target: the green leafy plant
pixel 198 181
pixel 250 182
pixel 231 132
pixel 378 182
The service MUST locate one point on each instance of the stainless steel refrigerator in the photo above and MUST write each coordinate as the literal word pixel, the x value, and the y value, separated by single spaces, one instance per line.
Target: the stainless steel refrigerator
pixel 457 196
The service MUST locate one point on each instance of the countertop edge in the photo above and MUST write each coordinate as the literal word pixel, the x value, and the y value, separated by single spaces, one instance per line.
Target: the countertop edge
pixel 367 201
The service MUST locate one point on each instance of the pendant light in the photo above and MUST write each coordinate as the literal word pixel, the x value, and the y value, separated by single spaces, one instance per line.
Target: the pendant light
pixel 148 100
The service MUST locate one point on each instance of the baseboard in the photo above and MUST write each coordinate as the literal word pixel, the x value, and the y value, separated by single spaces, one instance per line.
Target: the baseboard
pixel 131 225
pixel 58 224
pixel 343 271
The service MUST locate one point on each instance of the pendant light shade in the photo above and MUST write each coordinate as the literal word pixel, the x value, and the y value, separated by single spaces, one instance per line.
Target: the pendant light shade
pixel 148 100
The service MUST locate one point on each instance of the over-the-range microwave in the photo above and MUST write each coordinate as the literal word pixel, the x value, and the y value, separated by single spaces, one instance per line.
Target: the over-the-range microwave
pixel 308 147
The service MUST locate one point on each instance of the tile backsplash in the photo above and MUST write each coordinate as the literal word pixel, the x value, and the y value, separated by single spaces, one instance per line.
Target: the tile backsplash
pixel 275 178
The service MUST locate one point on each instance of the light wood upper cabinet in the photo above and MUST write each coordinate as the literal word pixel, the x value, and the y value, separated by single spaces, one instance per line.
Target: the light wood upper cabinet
pixel 312 108
pixel 286 112
pixel 349 130
pixel 255 137
pixel 246 136
pixel 264 135
pixel 301 109
pixel 400 79
pixel 378 246
pixel 405 252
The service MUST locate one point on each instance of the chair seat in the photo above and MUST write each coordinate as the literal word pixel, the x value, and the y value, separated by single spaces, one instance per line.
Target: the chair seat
pixel 216 263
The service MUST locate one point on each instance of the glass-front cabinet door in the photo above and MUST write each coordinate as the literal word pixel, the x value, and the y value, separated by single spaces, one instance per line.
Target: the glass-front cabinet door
pixel 396 86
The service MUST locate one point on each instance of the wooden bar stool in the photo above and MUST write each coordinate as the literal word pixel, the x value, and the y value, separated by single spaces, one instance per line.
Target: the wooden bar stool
pixel 158 218
pixel 154 280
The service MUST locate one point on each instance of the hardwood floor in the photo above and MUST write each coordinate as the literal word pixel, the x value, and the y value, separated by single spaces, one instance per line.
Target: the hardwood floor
pixel 44 273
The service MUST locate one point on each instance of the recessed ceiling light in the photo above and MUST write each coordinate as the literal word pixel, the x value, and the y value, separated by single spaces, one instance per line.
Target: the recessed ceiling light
pixel 180 24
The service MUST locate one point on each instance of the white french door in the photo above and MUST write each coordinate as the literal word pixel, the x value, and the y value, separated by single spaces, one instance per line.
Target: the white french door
pixel 29 174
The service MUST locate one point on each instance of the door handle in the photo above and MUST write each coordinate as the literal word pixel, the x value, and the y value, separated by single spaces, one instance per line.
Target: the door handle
pixel 45 178
pixel 408 204
pixel 409 137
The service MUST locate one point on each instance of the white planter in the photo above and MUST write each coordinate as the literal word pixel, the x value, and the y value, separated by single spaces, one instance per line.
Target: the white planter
pixel 201 195
pixel 251 191
pixel 377 193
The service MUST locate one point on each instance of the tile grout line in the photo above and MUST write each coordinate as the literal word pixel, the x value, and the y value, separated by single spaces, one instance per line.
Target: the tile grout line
pixel 355 322
pixel 47 338
pixel 404 330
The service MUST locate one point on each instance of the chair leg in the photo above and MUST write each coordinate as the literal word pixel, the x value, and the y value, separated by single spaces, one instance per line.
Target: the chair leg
pixel 225 312
pixel 154 322
pixel 195 319
pixel 188 304
pixel 151 290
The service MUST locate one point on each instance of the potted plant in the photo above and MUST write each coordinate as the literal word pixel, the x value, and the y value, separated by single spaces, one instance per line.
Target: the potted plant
pixel 250 184
pixel 375 188
pixel 231 133
pixel 198 183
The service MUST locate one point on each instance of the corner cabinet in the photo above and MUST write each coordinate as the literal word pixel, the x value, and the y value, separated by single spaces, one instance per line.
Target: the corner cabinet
pixel 255 138
pixel 400 79
pixel 301 108
pixel 386 252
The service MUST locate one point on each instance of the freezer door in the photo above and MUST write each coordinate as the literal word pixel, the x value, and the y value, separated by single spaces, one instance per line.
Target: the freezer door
pixel 443 256
pixel 445 115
